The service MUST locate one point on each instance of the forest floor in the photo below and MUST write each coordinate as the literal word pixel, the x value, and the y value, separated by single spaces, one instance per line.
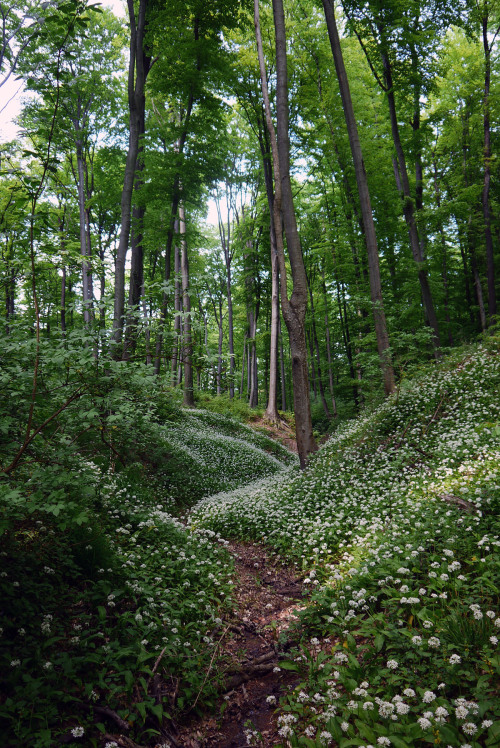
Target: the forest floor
pixel 281 432
pixel 268 595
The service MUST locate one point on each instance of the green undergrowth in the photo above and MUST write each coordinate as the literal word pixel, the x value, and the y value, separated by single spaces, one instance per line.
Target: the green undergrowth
pixel 396 526
pixel 110 607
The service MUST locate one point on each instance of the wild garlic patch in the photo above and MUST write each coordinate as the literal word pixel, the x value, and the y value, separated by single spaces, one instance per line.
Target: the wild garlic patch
pixel 396 526
pixel 136 587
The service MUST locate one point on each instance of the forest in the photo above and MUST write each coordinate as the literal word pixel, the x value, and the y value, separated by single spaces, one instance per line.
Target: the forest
pixel 249 374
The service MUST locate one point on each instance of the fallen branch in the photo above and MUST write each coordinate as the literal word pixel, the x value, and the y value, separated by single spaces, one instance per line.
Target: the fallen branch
pixel 105 711
pixel 255 672
pixel 462 503
pixel 435 413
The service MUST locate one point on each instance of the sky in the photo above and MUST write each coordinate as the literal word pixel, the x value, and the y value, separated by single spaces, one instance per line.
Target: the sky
pixel 12 91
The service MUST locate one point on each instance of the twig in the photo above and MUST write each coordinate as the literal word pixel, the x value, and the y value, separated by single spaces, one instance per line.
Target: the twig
pixel 105 711
pixel 108 444
pixel 435 413
pixel 209 667
pixel 155 667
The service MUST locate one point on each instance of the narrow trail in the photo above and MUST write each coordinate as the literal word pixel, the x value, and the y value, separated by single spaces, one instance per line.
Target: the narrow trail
pixel 268 596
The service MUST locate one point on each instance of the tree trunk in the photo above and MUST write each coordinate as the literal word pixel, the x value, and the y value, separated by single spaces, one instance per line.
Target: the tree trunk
pixel 243 360
pixel 253 384
pixel 408 210
pixel 328 347
pixel 271 413
pixel 294 309
pixel 321 386
pixel 63 301
pixel 177 314
pixel 490 265
pixel 187 347
pixel 219 350
pixel 225 238
pixel 282 370
pixel 136 270
pixel 88 295
pixel 139 65
pixel 365 203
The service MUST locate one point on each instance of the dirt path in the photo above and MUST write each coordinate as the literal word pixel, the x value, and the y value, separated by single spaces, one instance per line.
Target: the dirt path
pixel 268 596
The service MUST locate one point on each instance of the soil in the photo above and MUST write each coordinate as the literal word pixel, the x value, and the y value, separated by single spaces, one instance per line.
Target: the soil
pixel 282 432
pixel 268 596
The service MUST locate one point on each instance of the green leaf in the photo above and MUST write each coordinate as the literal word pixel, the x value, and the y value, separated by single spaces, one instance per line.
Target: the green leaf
pixel 288 665
pixel 398 742
pixel 365 731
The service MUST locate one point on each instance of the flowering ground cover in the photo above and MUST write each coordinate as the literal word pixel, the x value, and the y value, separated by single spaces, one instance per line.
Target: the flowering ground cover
pixel 110 609
pixel 395 524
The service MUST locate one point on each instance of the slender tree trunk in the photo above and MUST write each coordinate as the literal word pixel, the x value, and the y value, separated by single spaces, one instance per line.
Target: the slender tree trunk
pixel 87 297
pixel 172 232
pixel 312 364
pixel 253 384
pixel 314 338
pixel 177 313
pixel 328 346
pixel 139 64
pixel 490 265
pixel 102 287
pixel 462 241
pixel 243 361
pixel 408 210
pixel 225 238
pixel 294 309
pixel 136 272
pixel 475 275
pixel 230 329
pixel 381 333
pixel 282 371
pixel 63 301
pixel 187 348
pixel 219 350
pixel 137 229
pixel 444 266
pixel 271 414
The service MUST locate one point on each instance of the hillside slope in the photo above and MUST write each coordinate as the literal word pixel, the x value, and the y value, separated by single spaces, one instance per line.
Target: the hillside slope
pixel 396 524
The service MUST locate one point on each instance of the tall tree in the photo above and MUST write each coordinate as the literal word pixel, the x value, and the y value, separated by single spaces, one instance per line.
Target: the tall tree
pixel 293 308
pixel 139 66
pixel 396 39
pixel 365 202
pixel 489 36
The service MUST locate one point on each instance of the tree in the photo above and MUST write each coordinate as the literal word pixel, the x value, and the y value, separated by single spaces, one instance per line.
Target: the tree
pixel 488 38
pixel 399 37
pixel 365 203
pixel 139 66
pixel 293 308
